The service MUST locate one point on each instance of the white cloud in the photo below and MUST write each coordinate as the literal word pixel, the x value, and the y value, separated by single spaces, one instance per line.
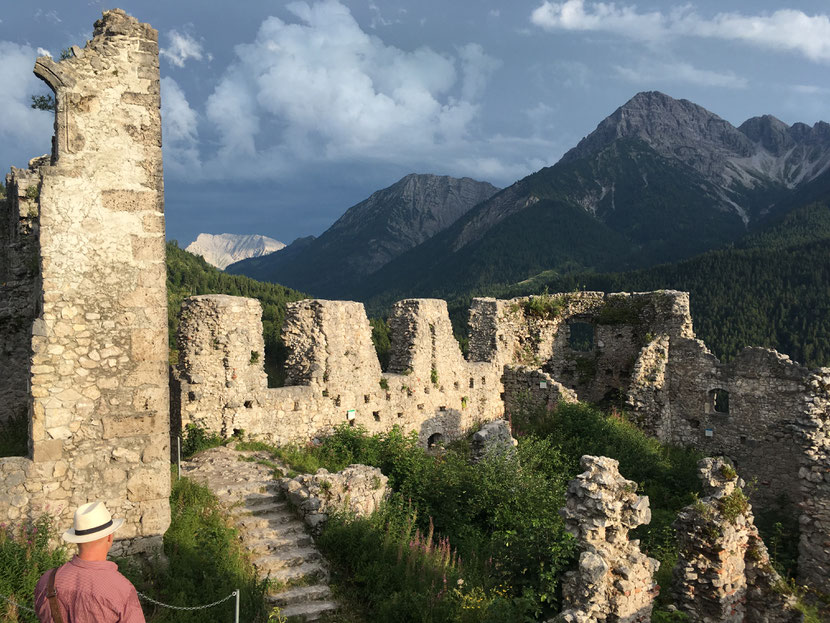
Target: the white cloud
pixel 319 88
pixel 809 89
pixel 625 20
pixel 22 129
pixel 180 131
pixel 785 29
pixel 44 52
pixel 651 72
pixel 182 47
pixel 476 67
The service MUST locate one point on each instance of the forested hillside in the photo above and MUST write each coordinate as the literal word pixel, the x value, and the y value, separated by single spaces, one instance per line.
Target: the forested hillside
pixel 772 289
pixel 189 274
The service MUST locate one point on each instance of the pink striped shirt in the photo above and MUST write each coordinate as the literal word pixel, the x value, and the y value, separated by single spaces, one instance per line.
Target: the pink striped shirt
pixel 89 592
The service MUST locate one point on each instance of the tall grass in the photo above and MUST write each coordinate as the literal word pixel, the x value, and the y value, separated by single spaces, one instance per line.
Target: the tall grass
pixel 25 554
pixel 205 562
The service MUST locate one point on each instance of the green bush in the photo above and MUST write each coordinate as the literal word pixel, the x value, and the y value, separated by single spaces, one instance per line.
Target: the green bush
pixel 196 439
pixel 392 572
pixel 205 562
pixel 25 554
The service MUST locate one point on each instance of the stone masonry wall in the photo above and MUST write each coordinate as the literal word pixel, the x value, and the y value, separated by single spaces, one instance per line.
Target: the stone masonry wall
pixel 614 580
pixel 357 489
pixel 775 427
pixel 637 348
pixel 723 572
pixel 98 376
pixel 19 263
pixel 537 332
pixel 332 372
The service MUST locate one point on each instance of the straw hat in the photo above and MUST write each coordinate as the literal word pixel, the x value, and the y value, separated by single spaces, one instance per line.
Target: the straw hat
pixel 92 522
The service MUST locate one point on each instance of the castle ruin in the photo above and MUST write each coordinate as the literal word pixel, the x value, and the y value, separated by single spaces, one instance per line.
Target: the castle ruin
pixel 83 306
pixel 770 415
pixel 83 334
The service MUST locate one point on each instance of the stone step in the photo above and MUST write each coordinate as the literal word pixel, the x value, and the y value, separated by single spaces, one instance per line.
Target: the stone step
pixel 255 500
pixel 291 575
pixel 310 611
pixel 299 594
pixel 276 542
pixel 272 519
pixel 246 487
pixel 289 557
pixel 287 530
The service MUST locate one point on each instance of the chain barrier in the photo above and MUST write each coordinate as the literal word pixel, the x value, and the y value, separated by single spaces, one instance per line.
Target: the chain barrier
pixel 215 603
pixel 19 606
pixel 151 600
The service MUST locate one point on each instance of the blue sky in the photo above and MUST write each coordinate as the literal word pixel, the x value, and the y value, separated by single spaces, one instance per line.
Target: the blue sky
pixel 278 116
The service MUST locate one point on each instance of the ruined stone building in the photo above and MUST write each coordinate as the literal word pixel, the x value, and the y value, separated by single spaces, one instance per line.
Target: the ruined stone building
pixel 770 415
pixel 83 313
pixel 84 357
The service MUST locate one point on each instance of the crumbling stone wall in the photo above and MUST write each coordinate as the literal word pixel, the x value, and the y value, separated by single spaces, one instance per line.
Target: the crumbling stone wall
pixel 774 428
pixel 537 332
pixel 99 425
pixel 614 580
pixel 19 264
pixel 358 489
pixel 640 349
pixel 723 572
pixel 332 372
pixel 527 388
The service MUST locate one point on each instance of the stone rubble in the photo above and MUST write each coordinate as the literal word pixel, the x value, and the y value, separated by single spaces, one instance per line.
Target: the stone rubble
pixel 358 489
pixel 614 581
pixel 280 546
pixel 492 438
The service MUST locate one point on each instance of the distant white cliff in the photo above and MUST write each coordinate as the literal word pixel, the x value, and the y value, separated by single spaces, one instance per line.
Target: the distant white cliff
pixel 222 250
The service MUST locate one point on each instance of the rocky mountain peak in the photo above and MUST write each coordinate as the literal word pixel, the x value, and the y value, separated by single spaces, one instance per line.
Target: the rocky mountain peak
pixel 674 128
pixel 769 132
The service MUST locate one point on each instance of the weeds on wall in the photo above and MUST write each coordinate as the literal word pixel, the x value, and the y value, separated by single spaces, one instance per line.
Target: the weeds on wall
pixel 197 439
pixel 26 552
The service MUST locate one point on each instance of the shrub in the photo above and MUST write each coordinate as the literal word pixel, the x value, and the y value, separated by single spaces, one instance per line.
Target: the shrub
pixel 25 554
pixel 196 439
pixel 205 563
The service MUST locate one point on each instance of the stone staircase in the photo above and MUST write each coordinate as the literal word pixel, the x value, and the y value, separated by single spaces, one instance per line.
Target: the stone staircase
pixel 280 546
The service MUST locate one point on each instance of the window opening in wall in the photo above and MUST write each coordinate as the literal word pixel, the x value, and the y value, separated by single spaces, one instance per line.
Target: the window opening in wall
pixel 581 336
pixel 472 383
pixel 366 398
pixel 719 400
pixel 376 415
pixel 249 404
pixel 435 439
pixel 694 423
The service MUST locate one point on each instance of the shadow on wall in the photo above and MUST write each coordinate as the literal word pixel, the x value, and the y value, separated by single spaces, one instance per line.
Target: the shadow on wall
pixel 443 426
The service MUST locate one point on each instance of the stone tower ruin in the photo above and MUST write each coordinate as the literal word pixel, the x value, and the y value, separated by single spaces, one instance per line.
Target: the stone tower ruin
pixel 83 301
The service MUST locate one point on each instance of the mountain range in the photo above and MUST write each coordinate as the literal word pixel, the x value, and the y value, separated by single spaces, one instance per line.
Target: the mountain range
pixel 370 234
pixel 659 180
pixel 222 250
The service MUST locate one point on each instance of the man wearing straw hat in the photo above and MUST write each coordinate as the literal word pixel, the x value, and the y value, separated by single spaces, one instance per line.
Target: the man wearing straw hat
pixel 88 589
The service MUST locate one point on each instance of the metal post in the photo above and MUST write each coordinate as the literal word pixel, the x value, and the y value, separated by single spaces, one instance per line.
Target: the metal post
pixel 236 620
pixel 178 458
